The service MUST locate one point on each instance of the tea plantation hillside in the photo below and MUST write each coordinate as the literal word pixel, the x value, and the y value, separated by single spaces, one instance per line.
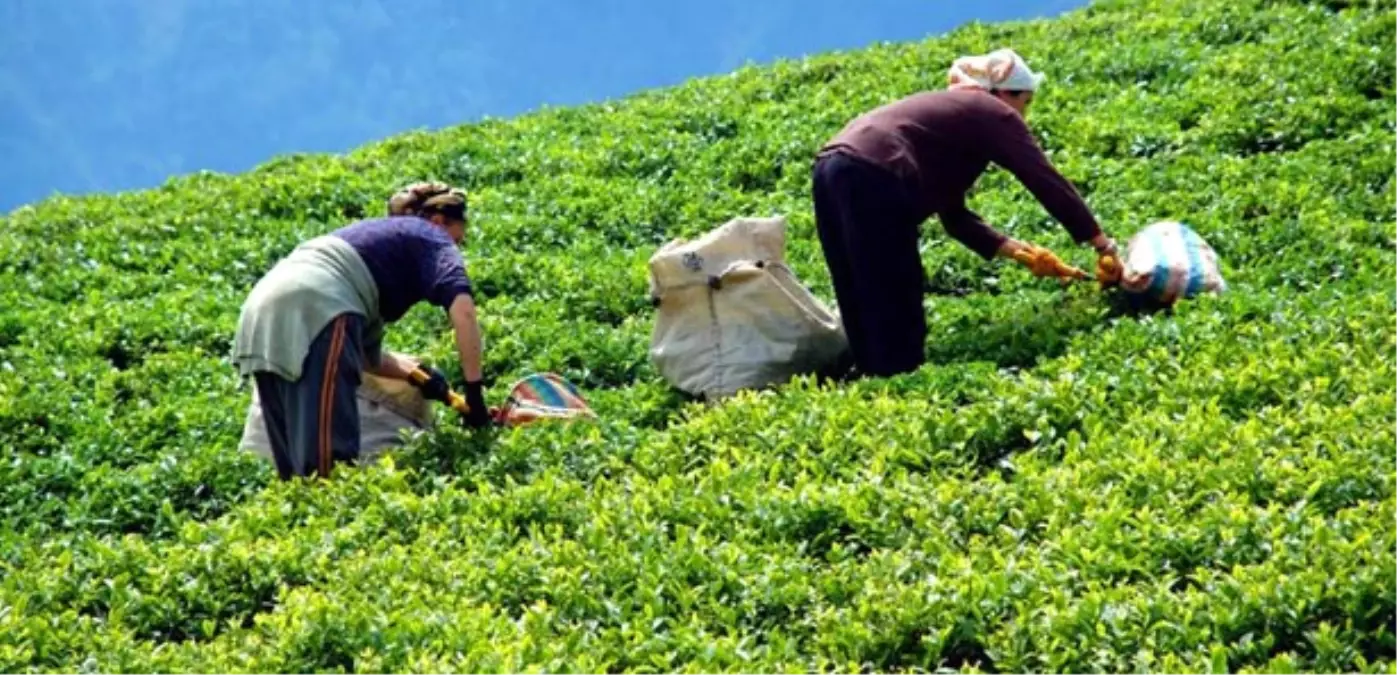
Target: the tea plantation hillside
pixel 1063 487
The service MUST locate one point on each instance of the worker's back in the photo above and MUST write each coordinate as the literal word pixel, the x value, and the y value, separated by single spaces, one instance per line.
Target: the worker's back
pixel 937 142
pixel 410 259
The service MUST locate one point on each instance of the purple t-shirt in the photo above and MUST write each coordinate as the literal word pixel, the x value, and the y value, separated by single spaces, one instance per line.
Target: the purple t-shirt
pixel 411 260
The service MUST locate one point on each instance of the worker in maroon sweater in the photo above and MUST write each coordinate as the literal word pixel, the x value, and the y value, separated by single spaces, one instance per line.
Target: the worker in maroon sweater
pixel 893 167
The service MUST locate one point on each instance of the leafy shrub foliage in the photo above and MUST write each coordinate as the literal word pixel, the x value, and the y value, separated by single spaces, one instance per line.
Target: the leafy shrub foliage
pixel 1066 486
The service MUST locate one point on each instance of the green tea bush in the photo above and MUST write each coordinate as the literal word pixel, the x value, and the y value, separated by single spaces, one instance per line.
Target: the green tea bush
pixel 1068 485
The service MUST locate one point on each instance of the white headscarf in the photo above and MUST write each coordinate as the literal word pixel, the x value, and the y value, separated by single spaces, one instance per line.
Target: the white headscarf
pixel 1000 69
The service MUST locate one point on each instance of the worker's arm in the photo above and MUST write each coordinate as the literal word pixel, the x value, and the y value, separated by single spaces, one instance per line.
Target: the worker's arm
pixel 451 290
pixel 468 346
pixel 468 343
pixel 966 227
pixel 969 229
pixel 1012 146
pixel 393 366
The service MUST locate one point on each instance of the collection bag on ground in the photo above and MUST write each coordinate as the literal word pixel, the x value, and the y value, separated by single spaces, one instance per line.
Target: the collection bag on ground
pixel 543 396
pixel 1168 261
pixel 730 315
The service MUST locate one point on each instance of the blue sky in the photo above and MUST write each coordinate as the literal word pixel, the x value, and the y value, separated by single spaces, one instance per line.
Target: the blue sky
pixel 105 95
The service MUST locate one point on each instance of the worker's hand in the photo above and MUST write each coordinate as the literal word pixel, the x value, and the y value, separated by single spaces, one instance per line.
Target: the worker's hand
pixel 435 388
pixel 1109 270
pixel 1109 267
pixel 1044 263
pixel 479 415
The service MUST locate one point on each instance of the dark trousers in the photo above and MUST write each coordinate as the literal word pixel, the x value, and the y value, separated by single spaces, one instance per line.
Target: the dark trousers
pixel 869 235
pixel 314 421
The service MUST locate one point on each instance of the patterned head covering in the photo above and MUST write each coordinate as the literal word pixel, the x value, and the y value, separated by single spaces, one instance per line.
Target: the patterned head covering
pixel 1000 69
pixel 426 198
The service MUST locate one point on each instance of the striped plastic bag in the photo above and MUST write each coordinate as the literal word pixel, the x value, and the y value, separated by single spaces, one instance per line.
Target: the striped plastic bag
pixel 1168 261
pixel 542 396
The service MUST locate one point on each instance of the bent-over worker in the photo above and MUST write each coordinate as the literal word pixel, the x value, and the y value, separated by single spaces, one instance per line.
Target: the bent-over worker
pixel 891 168
pixel 316 320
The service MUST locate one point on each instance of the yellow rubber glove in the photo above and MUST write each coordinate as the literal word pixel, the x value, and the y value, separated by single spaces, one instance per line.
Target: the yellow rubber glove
pixel 1109 269
pixel 1044 263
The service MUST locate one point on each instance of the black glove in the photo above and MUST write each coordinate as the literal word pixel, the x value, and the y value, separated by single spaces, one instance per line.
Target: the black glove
pixel 435 388
pixel 479 415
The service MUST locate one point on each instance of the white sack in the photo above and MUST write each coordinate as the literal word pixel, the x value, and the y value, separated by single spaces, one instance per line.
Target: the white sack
pixel 731 315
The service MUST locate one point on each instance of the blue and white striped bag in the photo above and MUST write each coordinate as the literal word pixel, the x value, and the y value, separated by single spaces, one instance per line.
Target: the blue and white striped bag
pixel 1168 261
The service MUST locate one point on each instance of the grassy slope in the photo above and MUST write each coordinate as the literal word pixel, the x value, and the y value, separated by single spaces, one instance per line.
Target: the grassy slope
pixel 1062 488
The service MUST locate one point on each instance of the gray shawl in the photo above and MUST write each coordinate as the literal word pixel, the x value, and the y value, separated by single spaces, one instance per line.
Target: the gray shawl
pixel 319 280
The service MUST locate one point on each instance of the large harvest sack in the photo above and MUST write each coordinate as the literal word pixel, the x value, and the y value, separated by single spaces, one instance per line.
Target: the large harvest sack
pixel 387 407
pixel 1168 261
pixel 731 315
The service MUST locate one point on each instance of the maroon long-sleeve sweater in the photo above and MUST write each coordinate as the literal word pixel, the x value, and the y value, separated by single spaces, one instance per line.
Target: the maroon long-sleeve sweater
pixel 939 143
